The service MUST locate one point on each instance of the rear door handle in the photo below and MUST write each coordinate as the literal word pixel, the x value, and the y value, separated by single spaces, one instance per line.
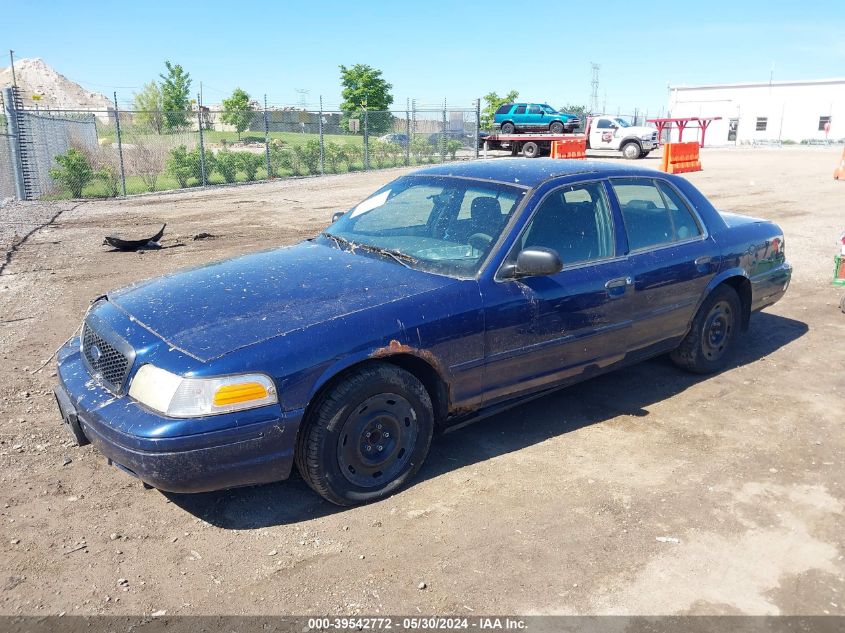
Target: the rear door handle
pixel 703 263
pixel 619 282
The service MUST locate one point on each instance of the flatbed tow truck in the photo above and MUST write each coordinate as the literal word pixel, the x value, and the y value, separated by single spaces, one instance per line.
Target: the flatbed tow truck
pixel 529 145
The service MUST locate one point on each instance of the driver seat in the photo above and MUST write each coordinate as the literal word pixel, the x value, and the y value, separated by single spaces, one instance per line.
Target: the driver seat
pixel 485 215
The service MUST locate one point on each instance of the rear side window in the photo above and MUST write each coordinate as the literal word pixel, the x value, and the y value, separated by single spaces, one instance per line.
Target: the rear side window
pixel 654 213
pixel 504 109
pixel 519 110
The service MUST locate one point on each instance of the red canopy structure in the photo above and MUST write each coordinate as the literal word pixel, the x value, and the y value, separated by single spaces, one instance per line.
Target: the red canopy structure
pixel 682 124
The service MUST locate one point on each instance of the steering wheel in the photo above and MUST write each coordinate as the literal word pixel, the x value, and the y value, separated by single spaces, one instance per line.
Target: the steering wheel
pixel 479 241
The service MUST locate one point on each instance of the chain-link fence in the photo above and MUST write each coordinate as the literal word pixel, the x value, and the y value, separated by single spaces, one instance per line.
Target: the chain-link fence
pixel 7 180
pixel 130 152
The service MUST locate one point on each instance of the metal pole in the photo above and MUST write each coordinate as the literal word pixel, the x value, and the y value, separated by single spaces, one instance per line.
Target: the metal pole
pixel 366 140
pixel 478 126
pixel 322 149
pixel 202 144
pixel 12 127
pixel 267 140
pixel 119 144
pixel 12 60
pixel 443 136
pixel 407 134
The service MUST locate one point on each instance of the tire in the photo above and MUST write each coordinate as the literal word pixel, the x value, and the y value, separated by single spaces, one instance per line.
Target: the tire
pixel 508 128
pixel 709 344
pixel 530 149
pixel 631 150
pixel 644 154
pixel 367 436
pixel 556 128
pixel 842 304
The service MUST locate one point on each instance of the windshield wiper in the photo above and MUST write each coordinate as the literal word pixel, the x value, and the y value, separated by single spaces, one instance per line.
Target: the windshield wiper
pixel 403 258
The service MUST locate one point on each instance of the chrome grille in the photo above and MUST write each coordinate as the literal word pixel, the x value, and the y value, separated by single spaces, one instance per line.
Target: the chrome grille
pixel 106 362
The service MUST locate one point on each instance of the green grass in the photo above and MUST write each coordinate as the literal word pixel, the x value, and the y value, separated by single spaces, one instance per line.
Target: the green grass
pixel 214 137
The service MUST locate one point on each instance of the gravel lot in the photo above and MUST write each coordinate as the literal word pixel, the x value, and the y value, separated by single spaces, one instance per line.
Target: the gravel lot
pixel 647 491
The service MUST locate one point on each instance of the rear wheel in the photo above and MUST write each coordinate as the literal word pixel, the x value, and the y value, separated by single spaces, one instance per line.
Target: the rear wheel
pixel 367 436
pixel 631 151
pixel 556 128
pixel 508 128
pixel 530 149
pixel 709 344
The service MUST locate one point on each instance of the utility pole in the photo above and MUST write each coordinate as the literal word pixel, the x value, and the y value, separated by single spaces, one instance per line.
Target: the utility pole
pixel 12 59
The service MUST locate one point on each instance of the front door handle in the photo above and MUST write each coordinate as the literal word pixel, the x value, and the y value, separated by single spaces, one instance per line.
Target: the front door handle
pixel 619 282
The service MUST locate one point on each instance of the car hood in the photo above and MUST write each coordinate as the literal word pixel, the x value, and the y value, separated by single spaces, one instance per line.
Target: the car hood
pixel 210 311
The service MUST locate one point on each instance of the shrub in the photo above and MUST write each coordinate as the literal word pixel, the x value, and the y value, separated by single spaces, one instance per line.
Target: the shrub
pixel 452 148
pixel 227 164
pixel 379 151
pixel 309 156
pixel 250 163
pixel 421 149
pixel 334 155
pixel 179 166
pixel 73 172
pixel 351 155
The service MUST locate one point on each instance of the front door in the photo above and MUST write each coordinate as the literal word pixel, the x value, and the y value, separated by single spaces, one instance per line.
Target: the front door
pixel 543 330
pixel 601 134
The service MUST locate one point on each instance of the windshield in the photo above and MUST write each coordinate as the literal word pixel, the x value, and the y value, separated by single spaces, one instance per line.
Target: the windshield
pixel 436 223
pixel 622 123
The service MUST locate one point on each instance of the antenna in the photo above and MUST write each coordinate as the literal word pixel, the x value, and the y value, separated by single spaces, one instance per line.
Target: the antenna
pixel 594 83
pixel 303 97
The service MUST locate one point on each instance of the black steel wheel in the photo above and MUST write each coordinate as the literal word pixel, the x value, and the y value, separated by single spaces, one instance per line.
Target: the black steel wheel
pixel 530 149
pixel 556 128
pixel 508 128
pixel 367 436
pixel 709 343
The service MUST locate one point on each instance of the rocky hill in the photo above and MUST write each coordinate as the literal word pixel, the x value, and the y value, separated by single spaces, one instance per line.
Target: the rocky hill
pixel 52 89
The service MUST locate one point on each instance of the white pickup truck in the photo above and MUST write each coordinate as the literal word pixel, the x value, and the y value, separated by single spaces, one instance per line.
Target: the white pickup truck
pixel 612 133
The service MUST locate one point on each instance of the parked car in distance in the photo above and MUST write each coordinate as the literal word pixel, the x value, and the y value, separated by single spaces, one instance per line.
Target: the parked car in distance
pixel 533 117
pixel 398 139
pixel 449 294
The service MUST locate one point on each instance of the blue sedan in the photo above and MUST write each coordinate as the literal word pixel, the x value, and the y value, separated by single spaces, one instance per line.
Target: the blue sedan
pixel 448 295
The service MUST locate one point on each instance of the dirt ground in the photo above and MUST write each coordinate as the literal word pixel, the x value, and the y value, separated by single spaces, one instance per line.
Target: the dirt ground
pixel 647 491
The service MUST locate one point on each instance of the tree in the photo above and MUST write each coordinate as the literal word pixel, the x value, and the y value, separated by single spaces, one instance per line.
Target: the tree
pixel 578 110
pixel 493 102
pixel 237 111
pixel 148 107
pixel 364 87
pixel 175 91
pixel 73 172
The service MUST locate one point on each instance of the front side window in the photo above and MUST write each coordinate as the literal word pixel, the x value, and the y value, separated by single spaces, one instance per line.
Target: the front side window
pixel 575 221
pixel 603 124
pixel 435 223
pixel 534 109
pixel 654 213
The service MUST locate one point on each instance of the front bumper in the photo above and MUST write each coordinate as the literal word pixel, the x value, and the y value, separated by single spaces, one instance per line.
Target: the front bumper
pixel 256 446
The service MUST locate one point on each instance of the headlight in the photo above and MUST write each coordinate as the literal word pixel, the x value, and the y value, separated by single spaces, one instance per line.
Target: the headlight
pixel 646 137
pixel 194 397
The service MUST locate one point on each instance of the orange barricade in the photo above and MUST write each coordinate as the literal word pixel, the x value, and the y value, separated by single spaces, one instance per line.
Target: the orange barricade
pixel 570 148
pixel 679 158
pixel 839 172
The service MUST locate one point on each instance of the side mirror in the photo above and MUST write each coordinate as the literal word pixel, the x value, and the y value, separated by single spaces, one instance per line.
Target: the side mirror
pixel 337 215
pixel 537 261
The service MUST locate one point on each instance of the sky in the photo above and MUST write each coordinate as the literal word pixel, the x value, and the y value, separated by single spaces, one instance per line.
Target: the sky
pixel 431 50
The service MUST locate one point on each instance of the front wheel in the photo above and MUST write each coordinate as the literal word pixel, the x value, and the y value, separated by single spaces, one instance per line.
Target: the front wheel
pixel 556 128
pixel 631 151
pixel 367 436
pixel 710 342
pixel 644 154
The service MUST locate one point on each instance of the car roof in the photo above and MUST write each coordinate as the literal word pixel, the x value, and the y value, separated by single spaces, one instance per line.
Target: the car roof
pixel 529 172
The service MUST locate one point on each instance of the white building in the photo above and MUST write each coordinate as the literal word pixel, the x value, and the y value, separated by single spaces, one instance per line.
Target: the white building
pixel 796 111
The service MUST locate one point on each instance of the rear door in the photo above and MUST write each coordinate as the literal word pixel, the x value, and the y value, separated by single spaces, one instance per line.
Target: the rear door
pixel 519 116
pixel 672 259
